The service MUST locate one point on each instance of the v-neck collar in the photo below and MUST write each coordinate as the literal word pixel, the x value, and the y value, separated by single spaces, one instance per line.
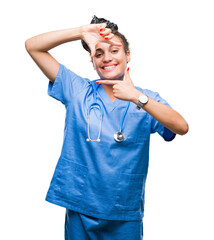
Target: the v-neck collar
pixel 109 104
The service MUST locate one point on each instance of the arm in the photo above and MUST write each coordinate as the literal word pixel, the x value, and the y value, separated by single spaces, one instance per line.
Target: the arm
pixel 163 114
pixel 168 117
pixel 39 46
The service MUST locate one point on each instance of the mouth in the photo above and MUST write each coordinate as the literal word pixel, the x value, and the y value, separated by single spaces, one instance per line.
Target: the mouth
pixel 109 68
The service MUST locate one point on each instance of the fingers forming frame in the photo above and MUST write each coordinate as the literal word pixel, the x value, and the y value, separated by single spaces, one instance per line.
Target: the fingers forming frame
pixel 107 34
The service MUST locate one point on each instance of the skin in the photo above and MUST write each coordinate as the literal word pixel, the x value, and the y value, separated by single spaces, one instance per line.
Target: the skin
pixel 38 46
pixel 109 55
pixel 116 82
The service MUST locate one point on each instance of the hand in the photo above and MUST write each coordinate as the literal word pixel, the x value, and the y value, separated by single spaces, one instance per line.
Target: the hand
pixel 94 33
pixel 123 89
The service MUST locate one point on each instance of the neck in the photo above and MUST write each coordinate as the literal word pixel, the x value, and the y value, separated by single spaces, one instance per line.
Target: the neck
pixel 109 91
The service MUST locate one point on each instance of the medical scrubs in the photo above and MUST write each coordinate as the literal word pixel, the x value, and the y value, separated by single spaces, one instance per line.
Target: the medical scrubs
pixel 81 227
pixel 101 180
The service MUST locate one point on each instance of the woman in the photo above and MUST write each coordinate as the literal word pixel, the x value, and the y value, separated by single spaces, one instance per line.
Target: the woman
pixel 101 173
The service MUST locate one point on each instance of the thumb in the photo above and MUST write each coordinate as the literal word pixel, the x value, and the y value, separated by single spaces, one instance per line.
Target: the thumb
pixel 127 76
pixel 92 48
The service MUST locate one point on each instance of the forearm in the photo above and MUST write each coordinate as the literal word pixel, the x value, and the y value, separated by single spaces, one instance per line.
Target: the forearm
pixel 164 114
pixel 46 41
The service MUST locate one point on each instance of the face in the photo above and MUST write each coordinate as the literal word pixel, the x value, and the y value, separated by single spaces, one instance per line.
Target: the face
pixel 110 61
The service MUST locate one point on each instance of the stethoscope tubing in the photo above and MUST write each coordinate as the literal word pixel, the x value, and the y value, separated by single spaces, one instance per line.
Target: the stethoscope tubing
pixel 96 105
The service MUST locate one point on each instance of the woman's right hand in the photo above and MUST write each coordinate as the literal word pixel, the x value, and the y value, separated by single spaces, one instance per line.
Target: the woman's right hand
pixel 38 46
pixel 94 33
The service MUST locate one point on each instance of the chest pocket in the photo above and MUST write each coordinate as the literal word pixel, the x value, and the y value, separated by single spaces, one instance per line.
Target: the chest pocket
pixel 137 126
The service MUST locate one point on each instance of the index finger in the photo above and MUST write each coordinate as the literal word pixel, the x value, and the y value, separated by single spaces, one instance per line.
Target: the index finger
pixel 115 43
pixel 107 82
pixel 101 26
pixel 110 38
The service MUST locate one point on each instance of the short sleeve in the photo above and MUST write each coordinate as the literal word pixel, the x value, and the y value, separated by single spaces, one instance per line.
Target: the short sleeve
pixel 66 85
pixel 157 126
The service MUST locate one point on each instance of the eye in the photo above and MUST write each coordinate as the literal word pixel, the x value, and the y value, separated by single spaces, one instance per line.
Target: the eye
pixel 98 55
pixel 115 51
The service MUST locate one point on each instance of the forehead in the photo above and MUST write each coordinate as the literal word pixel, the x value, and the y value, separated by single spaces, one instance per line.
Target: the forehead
pixel 105 44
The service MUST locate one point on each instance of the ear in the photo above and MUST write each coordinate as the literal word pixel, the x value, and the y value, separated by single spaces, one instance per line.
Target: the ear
pixel 128 57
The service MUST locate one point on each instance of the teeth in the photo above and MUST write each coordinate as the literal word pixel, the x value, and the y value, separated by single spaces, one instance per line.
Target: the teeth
pixel 109 67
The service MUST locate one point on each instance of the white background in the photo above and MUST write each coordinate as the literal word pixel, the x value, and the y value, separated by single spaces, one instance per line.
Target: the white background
pixel 172 53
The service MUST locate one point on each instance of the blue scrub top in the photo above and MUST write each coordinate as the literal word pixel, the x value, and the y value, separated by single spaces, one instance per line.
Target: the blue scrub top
pixel 101 179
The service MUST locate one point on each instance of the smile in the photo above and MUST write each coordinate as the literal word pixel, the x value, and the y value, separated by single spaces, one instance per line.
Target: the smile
pixel 109 68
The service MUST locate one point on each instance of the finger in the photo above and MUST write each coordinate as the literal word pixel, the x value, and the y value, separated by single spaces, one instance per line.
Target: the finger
pixel 107 82
pixel 115 43
pixel 105 32
pixel 127 76
pixel 102 26
pixel 112 42
pixel 109 36
pixel 93 51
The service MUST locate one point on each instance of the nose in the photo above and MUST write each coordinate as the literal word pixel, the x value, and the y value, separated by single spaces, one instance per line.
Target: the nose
pixel 107 57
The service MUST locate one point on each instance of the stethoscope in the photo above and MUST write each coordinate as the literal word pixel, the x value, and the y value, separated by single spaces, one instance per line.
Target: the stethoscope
pixel 118 136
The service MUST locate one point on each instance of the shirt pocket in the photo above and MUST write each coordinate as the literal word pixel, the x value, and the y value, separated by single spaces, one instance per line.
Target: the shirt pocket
pixel 130 188
pixel 70 180
pixel 137 127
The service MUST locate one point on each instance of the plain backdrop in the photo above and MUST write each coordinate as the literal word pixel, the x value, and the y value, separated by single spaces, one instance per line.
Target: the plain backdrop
pixel 172 53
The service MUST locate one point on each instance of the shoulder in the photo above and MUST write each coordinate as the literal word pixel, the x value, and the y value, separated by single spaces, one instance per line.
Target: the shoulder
pixel 68 73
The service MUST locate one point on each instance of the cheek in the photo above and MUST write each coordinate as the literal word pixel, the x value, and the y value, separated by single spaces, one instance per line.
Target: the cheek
pixel 123 58
pixel 124 62
pixel 95 64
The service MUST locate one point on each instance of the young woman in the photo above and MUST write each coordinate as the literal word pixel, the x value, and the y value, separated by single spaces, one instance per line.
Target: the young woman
pixel 101 173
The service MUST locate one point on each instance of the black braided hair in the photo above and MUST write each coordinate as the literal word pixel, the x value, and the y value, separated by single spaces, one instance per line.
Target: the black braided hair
pixel 111 25
pixel 114 29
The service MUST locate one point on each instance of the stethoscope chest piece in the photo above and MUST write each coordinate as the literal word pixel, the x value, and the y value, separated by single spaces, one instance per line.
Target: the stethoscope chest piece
pixel 119 137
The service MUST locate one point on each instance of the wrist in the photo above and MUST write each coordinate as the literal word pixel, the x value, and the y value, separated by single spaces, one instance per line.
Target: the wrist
pixel 85 29
pixel 82 30
pixel 135 96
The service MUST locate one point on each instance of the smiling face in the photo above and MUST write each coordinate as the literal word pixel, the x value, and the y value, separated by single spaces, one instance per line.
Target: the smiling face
pixel 110 61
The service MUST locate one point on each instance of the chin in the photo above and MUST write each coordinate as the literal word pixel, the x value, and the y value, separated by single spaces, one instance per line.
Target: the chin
pixel 112 77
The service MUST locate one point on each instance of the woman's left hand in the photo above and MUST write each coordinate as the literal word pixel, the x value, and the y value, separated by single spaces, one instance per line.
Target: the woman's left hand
pixel 122 89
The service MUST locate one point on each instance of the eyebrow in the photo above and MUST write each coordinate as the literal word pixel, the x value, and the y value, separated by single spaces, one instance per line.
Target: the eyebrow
pixel 100 49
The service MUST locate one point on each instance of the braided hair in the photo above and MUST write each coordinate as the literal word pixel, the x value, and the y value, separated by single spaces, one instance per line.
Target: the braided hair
pixel 114 29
